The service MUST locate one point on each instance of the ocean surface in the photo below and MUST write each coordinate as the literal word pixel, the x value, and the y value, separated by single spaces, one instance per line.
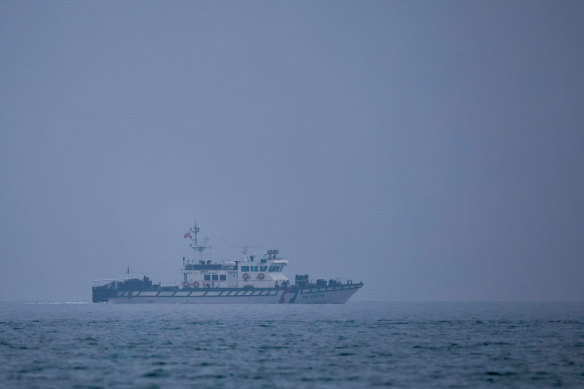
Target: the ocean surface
pixel 355 345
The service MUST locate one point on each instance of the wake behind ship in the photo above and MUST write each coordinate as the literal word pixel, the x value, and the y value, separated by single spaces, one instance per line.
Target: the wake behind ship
pixel 248 281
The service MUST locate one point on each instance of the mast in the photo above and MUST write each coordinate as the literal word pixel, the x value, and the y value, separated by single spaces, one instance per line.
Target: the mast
pixel 197 248
pixel 194 230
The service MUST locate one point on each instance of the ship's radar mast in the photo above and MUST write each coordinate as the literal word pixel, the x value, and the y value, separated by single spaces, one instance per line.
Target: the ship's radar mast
pixel 193 235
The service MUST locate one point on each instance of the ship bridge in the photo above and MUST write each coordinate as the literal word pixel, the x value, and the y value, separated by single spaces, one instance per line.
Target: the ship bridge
pixel 249 272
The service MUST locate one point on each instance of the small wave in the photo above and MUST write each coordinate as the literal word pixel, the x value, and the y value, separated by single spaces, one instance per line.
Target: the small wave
pixel 157 373
pixel 497 373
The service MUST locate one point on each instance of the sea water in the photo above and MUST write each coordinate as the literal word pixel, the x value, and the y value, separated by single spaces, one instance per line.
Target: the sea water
pixel 354 345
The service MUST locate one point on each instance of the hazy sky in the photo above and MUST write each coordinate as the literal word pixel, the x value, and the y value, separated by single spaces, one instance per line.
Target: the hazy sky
pixel 432 149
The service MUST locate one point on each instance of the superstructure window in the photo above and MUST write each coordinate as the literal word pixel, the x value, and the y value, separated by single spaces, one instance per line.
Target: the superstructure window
pixel 274 269
pixel 245 268
pixel 222 277
pixel 215 277
pixel 263 268
pixel 254 268
pixel 207 277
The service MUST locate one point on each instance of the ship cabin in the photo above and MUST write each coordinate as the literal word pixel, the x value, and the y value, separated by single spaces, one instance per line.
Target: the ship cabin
pixel 250 272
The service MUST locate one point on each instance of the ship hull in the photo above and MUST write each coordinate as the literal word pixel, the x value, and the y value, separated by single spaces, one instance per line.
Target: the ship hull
pixel 324 295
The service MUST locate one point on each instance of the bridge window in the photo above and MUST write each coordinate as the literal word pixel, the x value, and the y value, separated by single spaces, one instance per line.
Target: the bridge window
pixel 274 269
pixel 244 268
pixel 207 277
pixel 263 268
pixel 254 268
pixel 215 277
pixel 222 277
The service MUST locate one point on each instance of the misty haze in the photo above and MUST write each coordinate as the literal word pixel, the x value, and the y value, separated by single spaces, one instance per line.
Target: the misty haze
pixel 419 163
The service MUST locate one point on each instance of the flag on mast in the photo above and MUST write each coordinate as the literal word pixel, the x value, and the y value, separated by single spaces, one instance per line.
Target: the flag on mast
pixel 188 235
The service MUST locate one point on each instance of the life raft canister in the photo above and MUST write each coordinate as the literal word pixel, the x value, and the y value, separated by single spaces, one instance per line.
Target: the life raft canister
pixel 261 276
pixel 245 276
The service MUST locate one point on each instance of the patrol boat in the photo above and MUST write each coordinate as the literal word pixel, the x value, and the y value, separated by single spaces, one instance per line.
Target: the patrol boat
pixel 248 281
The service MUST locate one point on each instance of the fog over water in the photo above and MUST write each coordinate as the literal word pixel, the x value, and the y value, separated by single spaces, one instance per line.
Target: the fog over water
pixel 433 150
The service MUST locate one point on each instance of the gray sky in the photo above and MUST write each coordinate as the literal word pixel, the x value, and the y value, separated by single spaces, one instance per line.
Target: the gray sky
pixel 432 149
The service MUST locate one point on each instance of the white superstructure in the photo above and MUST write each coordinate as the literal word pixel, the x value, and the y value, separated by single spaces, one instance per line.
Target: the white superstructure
pixel 264 272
